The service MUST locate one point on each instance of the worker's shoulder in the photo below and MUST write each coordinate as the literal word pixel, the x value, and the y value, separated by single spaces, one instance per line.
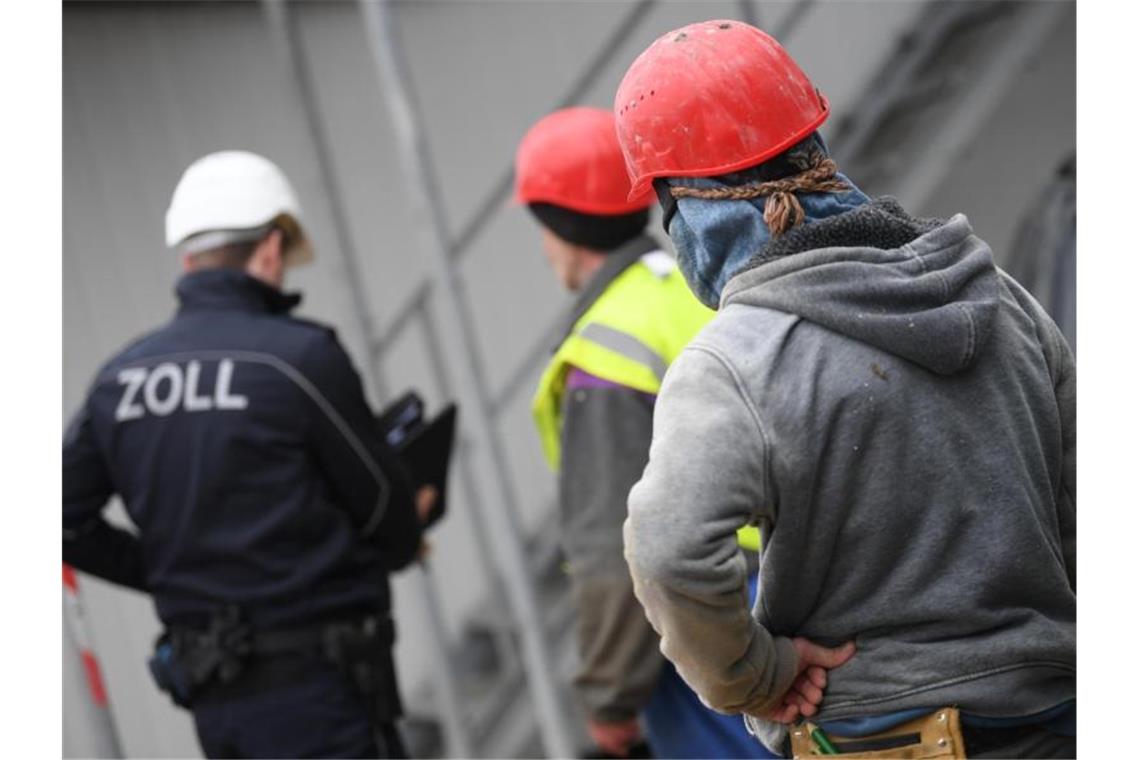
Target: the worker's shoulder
pixel 142 347
pixel 288 338
pixel 309 330
pixel 742 336
pixel 648 296
pixel 737 322
pixel 309 340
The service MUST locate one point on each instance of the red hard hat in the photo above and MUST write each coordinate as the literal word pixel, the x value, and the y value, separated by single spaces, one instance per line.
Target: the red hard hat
pixel 709 99
pixel 571 158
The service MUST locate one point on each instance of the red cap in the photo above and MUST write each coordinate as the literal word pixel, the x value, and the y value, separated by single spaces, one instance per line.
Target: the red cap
pixel 571 158
pixel 709 99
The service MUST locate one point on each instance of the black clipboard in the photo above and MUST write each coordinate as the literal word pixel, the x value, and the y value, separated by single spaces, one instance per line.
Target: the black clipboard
pixel 424 447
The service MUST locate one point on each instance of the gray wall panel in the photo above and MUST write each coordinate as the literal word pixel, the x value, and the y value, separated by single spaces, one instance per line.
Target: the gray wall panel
pixel 523 57
pixel 1019 147
pixel 512 289
pixel 841 46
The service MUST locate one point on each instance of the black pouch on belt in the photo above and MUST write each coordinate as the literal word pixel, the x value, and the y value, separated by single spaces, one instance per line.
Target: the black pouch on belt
pixel 185 660
pixel 363 652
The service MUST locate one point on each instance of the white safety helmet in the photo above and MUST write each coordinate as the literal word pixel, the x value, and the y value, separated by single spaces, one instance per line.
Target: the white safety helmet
pixel 234 196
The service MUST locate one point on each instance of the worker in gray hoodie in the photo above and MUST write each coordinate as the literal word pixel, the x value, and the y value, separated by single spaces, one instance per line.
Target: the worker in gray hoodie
pixel 895 413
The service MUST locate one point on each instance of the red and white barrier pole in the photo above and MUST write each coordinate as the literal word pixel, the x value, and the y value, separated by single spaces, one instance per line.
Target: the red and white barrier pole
pixel 101 726
pixel 78 624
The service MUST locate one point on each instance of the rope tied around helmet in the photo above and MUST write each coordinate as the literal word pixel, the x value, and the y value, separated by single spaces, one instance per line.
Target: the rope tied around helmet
pixel 782 210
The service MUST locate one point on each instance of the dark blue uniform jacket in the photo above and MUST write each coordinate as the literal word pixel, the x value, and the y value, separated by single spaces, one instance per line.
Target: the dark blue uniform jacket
pixel 241 443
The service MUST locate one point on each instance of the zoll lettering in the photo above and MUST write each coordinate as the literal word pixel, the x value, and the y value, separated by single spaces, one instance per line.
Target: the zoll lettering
pixel 167 387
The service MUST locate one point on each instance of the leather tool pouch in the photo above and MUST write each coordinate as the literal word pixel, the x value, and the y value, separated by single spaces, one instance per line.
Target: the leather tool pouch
pixel 936 735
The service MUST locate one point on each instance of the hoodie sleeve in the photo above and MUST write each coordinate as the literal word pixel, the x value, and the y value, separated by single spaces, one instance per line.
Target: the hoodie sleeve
pixel 1063 372
pixel 707 476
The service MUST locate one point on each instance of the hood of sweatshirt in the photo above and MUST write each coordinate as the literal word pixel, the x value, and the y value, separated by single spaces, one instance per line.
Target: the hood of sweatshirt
pixel 924 290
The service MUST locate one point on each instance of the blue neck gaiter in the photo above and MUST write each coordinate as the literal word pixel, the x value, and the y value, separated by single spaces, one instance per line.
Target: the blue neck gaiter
pixel 715 238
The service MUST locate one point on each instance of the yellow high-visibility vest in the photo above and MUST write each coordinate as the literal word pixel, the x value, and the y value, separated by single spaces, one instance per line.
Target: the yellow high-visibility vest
pixel 629 336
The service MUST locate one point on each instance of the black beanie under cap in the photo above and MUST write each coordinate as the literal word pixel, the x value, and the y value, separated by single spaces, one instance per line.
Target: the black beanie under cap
pixel 593 231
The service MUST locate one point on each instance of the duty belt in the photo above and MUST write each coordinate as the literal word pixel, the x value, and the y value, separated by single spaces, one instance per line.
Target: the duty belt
pixel 188 661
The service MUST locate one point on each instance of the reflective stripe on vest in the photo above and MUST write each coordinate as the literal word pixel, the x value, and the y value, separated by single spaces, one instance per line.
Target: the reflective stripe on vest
pixel 627 345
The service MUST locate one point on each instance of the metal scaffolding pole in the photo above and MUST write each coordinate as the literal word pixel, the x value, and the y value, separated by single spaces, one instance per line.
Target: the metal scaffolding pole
pixel 427 598
pixel 384 42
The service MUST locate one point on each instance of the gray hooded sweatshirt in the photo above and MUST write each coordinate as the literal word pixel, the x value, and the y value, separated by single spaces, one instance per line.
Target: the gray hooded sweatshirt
pixel 898 416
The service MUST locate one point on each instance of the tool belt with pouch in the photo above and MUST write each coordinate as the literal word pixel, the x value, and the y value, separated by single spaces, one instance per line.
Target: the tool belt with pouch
pixel 189 662
pixel 936 735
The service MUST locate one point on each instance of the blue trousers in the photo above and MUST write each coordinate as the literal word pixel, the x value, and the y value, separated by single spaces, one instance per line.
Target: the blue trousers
pixel 679 726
